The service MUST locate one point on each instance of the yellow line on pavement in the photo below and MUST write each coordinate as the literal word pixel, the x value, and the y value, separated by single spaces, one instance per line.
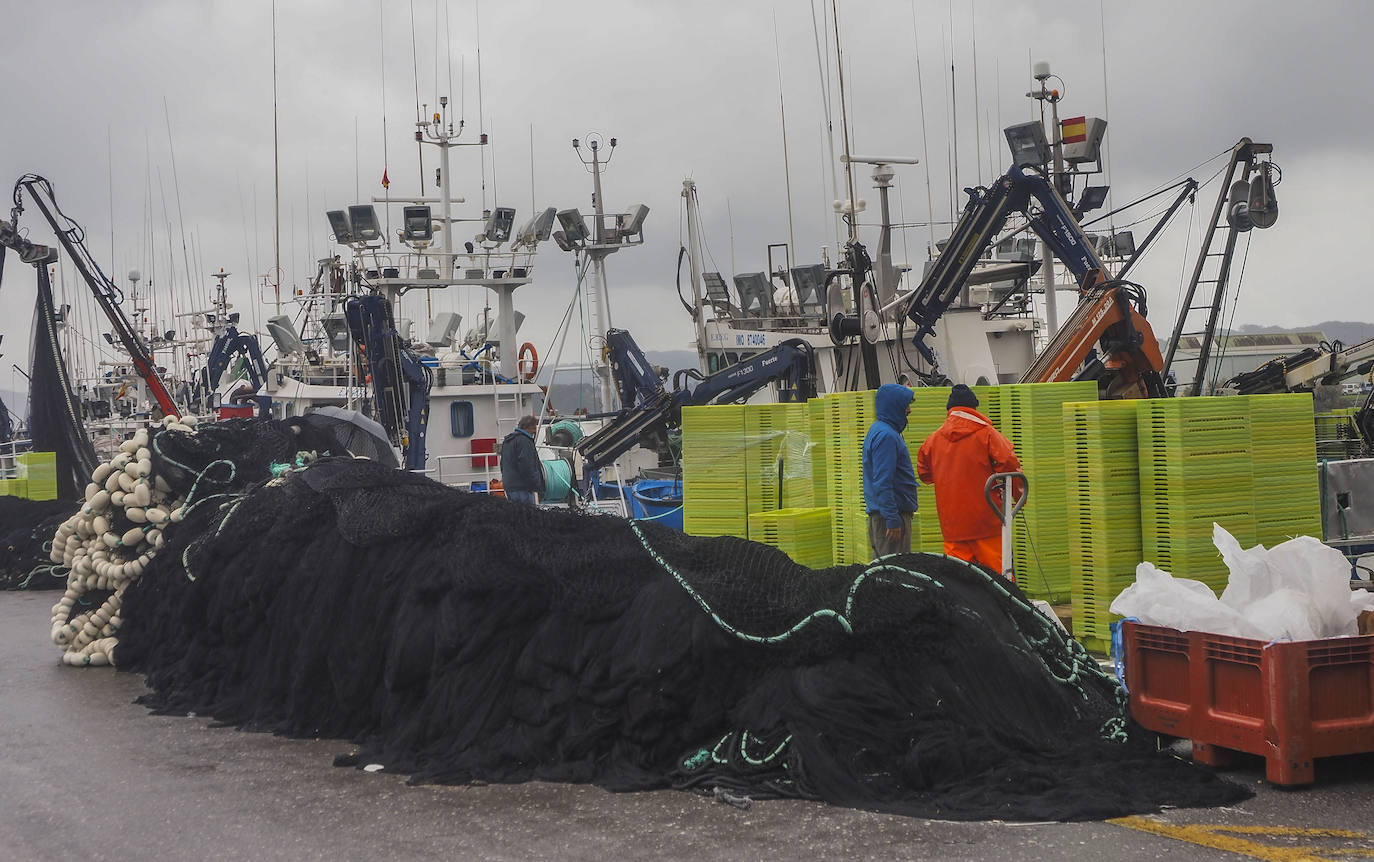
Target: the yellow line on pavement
pixel 1204 836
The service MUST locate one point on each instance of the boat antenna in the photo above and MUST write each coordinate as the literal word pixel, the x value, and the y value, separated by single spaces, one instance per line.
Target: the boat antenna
pixel 109 176
pixel 977 109
pixel 1106 116
pixel 823 74
pixel 844 127
pixel 419 116
pixel 481 118
pixel 176 187
pixel 276 167
pixel 953 118
pixel 925 141
pixel 782 111
pixel 386 162
pixel 448 44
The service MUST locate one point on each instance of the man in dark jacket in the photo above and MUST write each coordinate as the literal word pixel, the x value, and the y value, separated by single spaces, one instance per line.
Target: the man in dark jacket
pixel 522 475
pixel 889 482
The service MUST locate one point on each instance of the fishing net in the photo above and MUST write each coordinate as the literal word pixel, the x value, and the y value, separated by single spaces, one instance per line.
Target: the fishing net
pixel 458 637
pixel 26 530
pixel 55 423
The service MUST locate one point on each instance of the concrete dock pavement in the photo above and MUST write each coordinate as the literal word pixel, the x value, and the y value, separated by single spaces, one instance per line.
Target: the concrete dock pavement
pixel 87 773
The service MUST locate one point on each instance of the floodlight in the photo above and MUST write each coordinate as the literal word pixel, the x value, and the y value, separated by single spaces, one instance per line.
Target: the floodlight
pixel 632 222
pixel 1086 146
pixel 1028 144
pixel 716 289
pixel 1122 244
pixel 537 229
pixel 499 224
pixel 366 227
pixel 419 224
pixel 574 227
pixel 336 327
pixel 1093 198
pixel 403 328
pixel 284 334
pixel 340 227
pixel 441 329
pixel 807 284
pixel 755 293
pixel 562 239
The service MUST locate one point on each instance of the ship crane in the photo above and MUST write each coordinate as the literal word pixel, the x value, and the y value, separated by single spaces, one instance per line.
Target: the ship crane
pixel 107 295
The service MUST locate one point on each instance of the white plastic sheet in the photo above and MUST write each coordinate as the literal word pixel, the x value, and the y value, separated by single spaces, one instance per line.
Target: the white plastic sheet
pixel 1298 590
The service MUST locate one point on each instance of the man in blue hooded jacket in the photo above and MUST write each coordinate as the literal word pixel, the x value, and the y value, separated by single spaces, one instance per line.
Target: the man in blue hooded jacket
pixel 889 481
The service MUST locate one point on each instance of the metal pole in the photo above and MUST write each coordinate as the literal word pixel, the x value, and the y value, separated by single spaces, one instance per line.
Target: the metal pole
pixel 689 191
pixel 1051 303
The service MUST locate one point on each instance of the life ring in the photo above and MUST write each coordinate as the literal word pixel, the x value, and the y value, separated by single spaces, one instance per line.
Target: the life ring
pixel 525 348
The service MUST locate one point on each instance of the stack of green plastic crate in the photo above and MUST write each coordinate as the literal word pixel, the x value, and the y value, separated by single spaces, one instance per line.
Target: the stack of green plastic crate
pixel 14 488
pixel 1195 469
pixel 1105 543
pixel 819 449
pixel 715 496
pixel 1032 416
pixel 847 417
pixel 1284 451
pixel 802 534
pixel 1337 438
pixel 38 470
pixel 927 414
pixel 776 450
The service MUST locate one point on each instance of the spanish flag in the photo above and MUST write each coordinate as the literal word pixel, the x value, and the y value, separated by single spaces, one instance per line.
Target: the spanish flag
pixel 386 181
pixel 1074 130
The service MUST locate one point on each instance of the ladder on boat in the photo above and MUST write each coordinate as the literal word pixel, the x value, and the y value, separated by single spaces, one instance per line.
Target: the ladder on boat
pixel 1242 203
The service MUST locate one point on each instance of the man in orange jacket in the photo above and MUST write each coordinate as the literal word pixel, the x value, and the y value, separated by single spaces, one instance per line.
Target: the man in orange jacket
pixel 958 459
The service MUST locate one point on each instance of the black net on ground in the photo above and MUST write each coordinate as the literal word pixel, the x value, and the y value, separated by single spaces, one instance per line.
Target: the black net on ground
pixel 26 531
pixel 458 637
pixel 55 423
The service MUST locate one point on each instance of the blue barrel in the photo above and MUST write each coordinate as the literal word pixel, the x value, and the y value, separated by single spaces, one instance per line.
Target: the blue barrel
pixel 661 501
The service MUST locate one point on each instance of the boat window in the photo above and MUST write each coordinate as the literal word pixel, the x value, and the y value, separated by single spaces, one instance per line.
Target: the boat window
pixel 461 423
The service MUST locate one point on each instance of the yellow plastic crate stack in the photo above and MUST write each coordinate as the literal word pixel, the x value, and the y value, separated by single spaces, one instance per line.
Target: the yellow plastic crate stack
pixel 1337 438
pixel 14 488
pixel 1033 418
pixel 847 417
pixel 1283 447
pixel 927 414
pixel 714 471
pixel 38 472
pixel 776 439
pixel 802 534
pixel 1196 469
pixel 819 443
pixel 1105 544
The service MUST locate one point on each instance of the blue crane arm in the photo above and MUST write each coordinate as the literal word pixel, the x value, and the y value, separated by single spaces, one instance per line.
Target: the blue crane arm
pixel 400 383
pixel 984 216
pixel 650 407
pixel 229 343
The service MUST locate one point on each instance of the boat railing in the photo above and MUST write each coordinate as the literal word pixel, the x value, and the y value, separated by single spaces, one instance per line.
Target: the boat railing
pixel 9 450
pixel 384 268
pixel 472 476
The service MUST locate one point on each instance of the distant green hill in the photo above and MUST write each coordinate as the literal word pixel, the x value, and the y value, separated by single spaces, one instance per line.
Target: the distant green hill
pixel 1347 331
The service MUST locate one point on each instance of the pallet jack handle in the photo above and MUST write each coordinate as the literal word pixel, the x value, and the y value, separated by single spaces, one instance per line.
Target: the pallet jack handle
pixel 1006 511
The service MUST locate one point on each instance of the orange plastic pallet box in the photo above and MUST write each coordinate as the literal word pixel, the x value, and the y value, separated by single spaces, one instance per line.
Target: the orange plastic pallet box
pixel 1288 701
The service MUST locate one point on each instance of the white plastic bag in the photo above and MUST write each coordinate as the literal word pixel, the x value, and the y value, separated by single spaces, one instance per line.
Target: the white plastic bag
pixel 1297 590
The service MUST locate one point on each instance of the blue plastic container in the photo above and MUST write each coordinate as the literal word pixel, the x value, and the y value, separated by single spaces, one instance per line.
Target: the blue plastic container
pixel 661 501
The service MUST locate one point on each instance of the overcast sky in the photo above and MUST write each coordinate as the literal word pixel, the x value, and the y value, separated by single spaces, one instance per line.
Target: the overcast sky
pixel 101 95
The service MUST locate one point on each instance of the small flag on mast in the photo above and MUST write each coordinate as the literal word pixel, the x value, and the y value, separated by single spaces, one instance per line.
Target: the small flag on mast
pixel 1075 130
pixel 386 181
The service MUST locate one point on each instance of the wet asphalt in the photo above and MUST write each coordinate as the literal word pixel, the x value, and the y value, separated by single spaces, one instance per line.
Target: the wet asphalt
pixel 85 773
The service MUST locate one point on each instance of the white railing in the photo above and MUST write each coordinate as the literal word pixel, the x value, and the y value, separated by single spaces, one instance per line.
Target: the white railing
pixel 448 470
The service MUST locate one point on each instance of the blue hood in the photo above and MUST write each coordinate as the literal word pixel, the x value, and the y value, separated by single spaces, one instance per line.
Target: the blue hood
pixel 890 404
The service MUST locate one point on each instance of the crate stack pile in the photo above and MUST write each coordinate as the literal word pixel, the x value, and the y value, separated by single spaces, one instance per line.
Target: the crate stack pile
pixel 1032 416
pixel 1105 544
pixel 1337 439
pixel 777 463
pixel 1283 450
pixel 847 417
pixel 1195 469
pixel 802 534
pixel 715 470
pixel 927 414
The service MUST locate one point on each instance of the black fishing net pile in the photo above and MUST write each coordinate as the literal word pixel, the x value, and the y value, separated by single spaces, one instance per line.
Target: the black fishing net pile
pixel 459 637
pixel 26 531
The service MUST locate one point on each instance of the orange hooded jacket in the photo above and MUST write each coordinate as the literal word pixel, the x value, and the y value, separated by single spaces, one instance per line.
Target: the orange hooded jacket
pixel 957 460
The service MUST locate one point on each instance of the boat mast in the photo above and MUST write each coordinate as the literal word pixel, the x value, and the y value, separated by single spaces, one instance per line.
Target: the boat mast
pixel 689 192
pixel 596 255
